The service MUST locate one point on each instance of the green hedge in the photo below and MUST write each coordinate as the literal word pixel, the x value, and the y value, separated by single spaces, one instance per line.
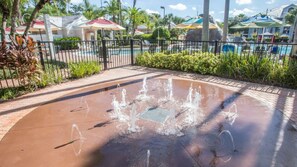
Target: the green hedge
pixel 82 69
pixel 67 43
pixel 250 68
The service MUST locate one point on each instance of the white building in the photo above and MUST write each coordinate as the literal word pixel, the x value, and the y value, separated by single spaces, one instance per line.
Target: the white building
pixel 280 14
pixel 69 26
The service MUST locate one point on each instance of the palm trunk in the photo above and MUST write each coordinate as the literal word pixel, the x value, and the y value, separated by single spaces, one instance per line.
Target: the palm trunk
pixel 38 7
pixel 226 18
pixel 14 16
pixel 120 18
pixel 5 14
pixel 205 30
pixel 295 37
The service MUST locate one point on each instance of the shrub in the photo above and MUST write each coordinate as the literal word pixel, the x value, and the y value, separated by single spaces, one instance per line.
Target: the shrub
pixel 161 32
pixel 67 43
pixel 144 37
pixel 249 68
pixel 51 76
pixel 82 69
pixel 10 93
pixel 21 58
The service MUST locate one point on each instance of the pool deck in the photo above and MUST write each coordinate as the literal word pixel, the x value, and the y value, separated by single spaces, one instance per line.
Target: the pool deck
pixel 278 99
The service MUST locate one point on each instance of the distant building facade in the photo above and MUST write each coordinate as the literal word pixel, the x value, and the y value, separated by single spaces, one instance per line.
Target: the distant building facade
pixel 280 14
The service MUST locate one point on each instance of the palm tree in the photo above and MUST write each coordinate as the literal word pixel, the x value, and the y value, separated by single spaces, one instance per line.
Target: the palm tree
pixel 91 11
pixel 134 3
pixel 136 17
pixel 112 9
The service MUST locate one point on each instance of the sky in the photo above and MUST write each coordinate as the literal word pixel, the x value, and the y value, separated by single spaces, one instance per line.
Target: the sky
pixel 185 8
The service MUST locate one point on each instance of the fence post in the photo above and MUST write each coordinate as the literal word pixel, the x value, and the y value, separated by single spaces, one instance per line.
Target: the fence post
pixel 104 52
pixel 132 51
pixel 216 47
pixel 141 46
pixel 41 55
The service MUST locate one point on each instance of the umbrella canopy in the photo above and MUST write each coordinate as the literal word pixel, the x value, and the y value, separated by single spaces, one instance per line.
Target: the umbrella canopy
pixel 102 24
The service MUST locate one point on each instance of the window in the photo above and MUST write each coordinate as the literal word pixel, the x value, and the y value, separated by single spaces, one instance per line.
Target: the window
pixel 286 30
pixel 290 9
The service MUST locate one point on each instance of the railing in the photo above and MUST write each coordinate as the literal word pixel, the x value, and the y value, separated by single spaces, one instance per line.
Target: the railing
pixel 55 57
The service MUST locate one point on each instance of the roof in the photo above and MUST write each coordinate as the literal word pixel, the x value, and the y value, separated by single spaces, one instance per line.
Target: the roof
pixel 66 20
pixel 100 21
pixel 278 12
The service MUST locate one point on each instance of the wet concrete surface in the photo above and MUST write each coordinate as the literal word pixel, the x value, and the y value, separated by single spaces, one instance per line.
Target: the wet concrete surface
pixel 45 137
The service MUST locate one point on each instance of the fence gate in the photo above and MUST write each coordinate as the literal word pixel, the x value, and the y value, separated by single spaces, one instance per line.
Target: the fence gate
pixel 118 53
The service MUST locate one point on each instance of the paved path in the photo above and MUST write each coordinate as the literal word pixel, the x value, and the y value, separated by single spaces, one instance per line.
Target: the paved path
pixel 276 98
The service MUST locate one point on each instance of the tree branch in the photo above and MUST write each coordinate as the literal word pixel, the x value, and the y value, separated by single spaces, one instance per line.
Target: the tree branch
pixel 38 7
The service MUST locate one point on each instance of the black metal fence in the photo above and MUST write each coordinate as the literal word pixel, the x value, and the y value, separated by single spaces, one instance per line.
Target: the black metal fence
pixel 55 57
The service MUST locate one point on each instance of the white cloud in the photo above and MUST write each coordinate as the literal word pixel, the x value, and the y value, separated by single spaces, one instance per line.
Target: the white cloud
pixel 243 2
pixel 245 11
pixel 222 11
pixel 178 6
pixel 76 1
pixel 212 12
pixel 194 8
pixel 270 2
pixel 151 11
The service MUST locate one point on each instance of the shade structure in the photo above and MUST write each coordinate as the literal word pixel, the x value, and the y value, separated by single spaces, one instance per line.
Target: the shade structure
pixel 199 26
pixel 38 25
pixel 194 24
pixel 18 31
pixel 102 24
pixel 263 21
pixel 245 26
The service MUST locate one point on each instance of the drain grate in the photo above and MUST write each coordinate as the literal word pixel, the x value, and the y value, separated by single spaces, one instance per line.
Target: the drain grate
pixel 158 115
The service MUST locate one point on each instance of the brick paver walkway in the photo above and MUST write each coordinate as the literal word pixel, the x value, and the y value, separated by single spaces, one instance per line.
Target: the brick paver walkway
pixel 280 99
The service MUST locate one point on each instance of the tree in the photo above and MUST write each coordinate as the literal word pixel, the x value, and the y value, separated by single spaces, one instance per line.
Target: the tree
pixel 5 11
pixel 290 17
pixel 112 8
pixel 161 33
pixel 177 20
pixel 136 17
pixel 76 9
pixel 235 20
pixel 38 7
